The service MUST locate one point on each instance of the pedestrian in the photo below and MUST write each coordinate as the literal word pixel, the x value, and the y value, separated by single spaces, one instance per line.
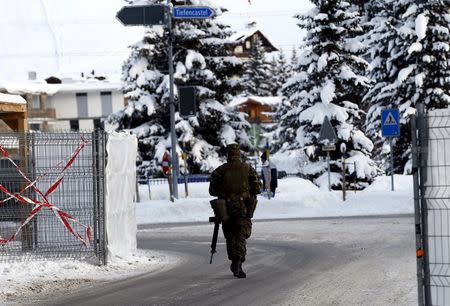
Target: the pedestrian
pixel 238 184
pixel 269 175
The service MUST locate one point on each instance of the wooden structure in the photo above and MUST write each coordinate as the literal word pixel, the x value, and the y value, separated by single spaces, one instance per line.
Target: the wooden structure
pixel 258 109
pixel 246 40
pixel 14 118
pixel 13 112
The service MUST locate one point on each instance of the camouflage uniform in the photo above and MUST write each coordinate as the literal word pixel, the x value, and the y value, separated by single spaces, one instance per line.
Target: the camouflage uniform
pixel 238 184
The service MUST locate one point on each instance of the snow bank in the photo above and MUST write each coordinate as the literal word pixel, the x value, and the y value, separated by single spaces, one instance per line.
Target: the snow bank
pixel 28 281
pixel 120 188
pixel 295 198
pixel 15 99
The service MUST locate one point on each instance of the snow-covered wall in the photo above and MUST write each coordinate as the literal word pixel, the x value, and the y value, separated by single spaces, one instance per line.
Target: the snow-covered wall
pixel 120 188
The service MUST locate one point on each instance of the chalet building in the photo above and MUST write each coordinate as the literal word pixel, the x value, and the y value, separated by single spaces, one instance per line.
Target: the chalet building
pixel 246 39
pixel 260 111
pixel 67 104
pixel 13 113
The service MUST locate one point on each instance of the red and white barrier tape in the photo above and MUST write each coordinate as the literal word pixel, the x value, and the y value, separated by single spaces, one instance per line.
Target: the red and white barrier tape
pixel 62 216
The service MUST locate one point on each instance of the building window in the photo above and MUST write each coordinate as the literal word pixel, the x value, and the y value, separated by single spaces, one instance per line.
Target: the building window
pixel 98 124
pixel 35 126
pixel 248 45
pixel 238 49
pixel 82 105
pixel 36 101
pixel 106 98
pixel 74 125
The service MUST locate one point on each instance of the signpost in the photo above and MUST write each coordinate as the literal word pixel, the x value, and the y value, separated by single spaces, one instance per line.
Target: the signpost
pixel 193 12
pixel 151 15
pixel 143 15
pixel 390 128
pixel 328 138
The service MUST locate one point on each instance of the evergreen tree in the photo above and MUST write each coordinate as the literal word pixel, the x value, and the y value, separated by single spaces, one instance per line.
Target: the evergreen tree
pixel 256 80
pixel 202 58
pixel 280 72
pixel 410 47
pixel 328 81
pixel 294 59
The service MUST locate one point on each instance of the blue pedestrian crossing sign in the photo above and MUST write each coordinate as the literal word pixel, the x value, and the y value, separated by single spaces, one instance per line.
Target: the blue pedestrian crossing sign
pixel 390 123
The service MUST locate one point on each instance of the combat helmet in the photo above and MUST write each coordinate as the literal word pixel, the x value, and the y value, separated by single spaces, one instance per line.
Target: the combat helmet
pixel 233 151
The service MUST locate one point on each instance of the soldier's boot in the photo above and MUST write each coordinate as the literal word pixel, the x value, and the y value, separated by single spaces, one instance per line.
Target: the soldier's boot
pixel 239 272
pixel 234 266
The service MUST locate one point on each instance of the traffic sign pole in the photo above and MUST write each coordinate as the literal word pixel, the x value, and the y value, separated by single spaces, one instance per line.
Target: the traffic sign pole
pixel 159 15
pixel 173 136
pixel 329 171
pixel 391 144
pixel 390 127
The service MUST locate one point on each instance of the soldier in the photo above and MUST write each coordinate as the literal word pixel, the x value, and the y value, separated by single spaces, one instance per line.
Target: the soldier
pixel 238 184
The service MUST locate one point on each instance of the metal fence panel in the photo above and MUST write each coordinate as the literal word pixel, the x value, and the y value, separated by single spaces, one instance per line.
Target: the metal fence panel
pixel 434 134
pixel 42 158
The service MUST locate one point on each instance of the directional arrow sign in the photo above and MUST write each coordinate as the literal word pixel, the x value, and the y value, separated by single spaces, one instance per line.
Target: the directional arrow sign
pixel 193 12
pixel 390 124
pixel 143 15
pixel 327 133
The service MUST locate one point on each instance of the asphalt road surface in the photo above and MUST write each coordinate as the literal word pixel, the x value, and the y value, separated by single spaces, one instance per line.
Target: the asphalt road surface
pixel 339 261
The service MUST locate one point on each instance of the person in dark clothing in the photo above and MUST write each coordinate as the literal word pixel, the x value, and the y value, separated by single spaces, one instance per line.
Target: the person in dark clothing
pixel 269 175
pixel 238 184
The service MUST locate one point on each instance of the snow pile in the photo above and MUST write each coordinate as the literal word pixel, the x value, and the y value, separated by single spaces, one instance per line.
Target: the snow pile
pixel 32 280
pixel 14 99
pixel 120 188
pixel 295 198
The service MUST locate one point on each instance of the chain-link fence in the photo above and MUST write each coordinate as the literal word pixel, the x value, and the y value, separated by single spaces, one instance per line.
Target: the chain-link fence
pixel 52 196
pixel 431 150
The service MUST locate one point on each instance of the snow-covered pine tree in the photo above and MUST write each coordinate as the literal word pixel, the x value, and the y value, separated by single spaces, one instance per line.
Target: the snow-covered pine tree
pixel 381 39
pixel 328 81
pixel 202 58
pixel 412 55
pixel 294 59
pixel 280 72
pixel 256 80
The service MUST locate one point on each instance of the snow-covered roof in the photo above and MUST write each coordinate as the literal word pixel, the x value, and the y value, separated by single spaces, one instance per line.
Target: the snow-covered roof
pixel 39 87
pixel 13 99
pixel 241 36
pixel 271 101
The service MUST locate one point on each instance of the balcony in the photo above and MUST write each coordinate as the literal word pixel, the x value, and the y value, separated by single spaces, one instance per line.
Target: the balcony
pixel 49 113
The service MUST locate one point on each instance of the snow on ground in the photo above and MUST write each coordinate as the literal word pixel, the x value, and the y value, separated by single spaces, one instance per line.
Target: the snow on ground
pixel 27 281
pixel 295 198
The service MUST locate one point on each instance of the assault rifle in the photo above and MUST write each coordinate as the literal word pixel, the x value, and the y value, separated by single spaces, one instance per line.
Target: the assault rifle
pixel 220 215
pixel 214 238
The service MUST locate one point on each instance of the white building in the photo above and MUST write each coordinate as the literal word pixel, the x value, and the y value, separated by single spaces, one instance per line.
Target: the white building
pixel 67 104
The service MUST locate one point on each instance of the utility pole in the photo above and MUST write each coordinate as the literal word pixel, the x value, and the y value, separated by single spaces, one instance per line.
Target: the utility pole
pixel 173 135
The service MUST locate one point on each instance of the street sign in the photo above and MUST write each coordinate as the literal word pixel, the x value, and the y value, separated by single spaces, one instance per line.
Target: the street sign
pixel 187 105
pixel 144 15
pixel 390 123
pixel 193 12
pixel 327 134
pixel 166 164
pixel 328 148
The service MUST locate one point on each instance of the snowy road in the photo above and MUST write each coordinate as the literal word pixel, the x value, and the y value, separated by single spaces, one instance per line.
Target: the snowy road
pixel 340 261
